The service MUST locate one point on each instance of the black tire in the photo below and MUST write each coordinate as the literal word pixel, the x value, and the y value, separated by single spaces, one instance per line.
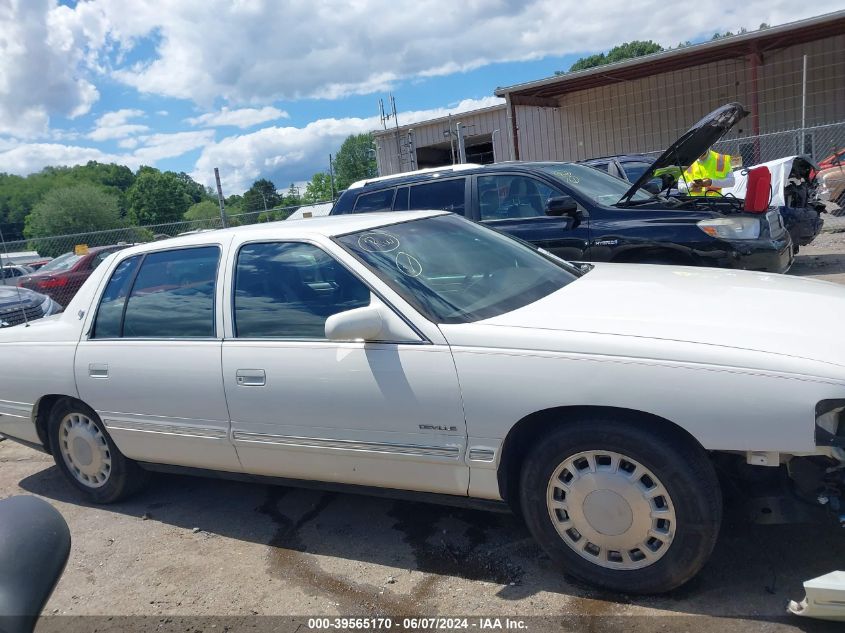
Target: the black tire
pixel 683 468
pixel 125 476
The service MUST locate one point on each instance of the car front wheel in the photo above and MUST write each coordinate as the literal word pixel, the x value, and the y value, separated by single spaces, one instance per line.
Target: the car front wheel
pixel 621 506
pixel 87 456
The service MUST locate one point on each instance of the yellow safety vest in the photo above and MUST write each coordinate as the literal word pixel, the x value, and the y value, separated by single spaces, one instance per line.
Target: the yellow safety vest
pixel 714 167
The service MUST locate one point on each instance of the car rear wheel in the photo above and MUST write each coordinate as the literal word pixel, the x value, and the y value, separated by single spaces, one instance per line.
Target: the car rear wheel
pixel 87 456
pixel 620 506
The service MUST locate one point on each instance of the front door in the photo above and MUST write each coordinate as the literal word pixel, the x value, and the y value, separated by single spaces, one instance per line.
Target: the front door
pixel 150 364
pixel 384 414
pixel 515 204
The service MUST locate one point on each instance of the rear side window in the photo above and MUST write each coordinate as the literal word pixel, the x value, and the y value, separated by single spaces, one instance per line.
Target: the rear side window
pixel 444 195
pixel 110 311
pixel 376 201
pixel 170 295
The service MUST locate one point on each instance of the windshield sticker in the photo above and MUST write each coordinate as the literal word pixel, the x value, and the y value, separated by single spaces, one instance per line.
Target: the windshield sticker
pixel 378 242
pixel 568 176
pixel 408 264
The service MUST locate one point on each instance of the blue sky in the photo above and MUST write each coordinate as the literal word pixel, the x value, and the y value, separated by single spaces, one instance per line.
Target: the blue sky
pixel 261 88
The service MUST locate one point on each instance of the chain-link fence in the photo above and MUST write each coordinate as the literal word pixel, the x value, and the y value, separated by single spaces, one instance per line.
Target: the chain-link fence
pixel 67 260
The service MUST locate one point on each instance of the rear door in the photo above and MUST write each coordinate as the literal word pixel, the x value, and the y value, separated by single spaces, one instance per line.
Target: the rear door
pixel 149 363
pixel 515 203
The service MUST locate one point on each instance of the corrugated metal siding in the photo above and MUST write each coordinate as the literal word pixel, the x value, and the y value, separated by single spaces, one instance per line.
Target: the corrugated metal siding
pixel 431 133
pixel 646 115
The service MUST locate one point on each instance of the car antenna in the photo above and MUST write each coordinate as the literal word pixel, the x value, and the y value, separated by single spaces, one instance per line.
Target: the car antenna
pixel 20 301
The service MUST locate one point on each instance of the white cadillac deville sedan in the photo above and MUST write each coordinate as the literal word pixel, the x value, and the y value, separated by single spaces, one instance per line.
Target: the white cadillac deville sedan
pixel 421 352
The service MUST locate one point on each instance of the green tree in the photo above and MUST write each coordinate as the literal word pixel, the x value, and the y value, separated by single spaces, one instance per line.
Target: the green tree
pixel 628 50
pixel 156 198
pixel 355 160
pixel 292 198
pixel 262 194
pixel 319 189
pixel 77 209
pixel 205 210
pixel 195 191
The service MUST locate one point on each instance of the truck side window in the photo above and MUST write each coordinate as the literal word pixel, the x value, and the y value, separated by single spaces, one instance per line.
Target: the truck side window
pixel 376 201
pixel 442 195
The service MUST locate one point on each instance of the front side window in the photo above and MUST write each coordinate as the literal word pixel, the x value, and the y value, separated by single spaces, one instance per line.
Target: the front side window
pixel 455 271
pixel 173 295
pixel 441 195
pixel 509 196
pixel 289 289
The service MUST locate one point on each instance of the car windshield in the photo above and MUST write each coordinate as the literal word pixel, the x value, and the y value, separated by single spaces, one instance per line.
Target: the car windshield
pixel 593 183
pixel 454 271
pixel 62 262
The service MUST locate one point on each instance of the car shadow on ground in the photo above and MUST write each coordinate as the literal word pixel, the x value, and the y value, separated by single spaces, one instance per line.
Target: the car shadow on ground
pixel 808 265
pixel 764 564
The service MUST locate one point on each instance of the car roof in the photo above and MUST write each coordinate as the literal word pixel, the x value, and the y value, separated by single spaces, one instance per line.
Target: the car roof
pixel 424 175
pixel 325 226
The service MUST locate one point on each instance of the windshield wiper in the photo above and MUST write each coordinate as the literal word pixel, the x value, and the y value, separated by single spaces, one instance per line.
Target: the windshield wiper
pixel 638 203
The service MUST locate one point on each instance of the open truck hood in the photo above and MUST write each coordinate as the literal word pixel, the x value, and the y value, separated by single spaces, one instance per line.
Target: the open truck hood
pixel 693 143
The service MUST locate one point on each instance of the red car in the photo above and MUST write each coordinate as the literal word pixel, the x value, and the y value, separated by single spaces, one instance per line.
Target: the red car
pixel 837 158
pixel 62 277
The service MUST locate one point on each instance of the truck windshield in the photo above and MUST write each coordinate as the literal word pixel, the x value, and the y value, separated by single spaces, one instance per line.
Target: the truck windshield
pixel 593 183
pixel 455 271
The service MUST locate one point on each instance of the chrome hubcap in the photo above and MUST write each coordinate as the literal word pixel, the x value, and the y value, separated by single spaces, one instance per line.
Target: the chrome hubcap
pixel 611 510
pixel 85 450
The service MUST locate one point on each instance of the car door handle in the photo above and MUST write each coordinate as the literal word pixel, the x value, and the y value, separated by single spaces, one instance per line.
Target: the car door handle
pixel 251 377
pixel 98 370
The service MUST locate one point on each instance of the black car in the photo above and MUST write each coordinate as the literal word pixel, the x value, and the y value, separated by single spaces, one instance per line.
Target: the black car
pixel 20 305
pixel 582 214
pixel 797 202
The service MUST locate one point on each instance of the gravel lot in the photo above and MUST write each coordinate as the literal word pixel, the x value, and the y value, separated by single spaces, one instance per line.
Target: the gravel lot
pixel 189 546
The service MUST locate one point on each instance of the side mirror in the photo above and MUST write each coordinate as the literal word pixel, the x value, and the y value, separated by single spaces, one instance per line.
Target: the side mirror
pixel 360 324
pixel 561 205
pixel 375 322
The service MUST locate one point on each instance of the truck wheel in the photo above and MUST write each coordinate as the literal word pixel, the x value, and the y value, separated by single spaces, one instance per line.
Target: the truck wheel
pixel 87 456
pixel 620 506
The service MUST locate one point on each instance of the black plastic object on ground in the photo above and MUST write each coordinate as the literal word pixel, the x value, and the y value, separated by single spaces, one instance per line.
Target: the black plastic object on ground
pixel 34 548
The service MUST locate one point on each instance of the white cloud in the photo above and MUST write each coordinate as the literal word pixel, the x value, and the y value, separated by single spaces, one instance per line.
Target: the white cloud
pixel 30 157
pixel 159 146
pixel 207 50
pixel 39 69
pixel 296 152
pixel 241 117
pixel 115 125
pixel 26 158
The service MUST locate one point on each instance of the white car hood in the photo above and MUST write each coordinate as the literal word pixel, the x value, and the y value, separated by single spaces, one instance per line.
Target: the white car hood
pixel 761 312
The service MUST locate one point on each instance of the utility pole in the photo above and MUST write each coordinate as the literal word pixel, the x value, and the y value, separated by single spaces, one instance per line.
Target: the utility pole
pixel 220 198
pixel 331 175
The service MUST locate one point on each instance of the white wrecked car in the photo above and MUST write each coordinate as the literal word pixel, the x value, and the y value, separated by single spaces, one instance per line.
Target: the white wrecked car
pixel 421 352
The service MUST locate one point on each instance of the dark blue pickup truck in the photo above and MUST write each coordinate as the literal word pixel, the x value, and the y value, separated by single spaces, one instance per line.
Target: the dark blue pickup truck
pixel 582 214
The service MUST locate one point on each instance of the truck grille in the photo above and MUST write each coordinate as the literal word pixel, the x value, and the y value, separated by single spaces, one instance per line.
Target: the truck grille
pixel 15 316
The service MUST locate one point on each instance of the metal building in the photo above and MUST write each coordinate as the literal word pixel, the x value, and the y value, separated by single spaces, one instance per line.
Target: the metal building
pixel 435 142
pixel 791 78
